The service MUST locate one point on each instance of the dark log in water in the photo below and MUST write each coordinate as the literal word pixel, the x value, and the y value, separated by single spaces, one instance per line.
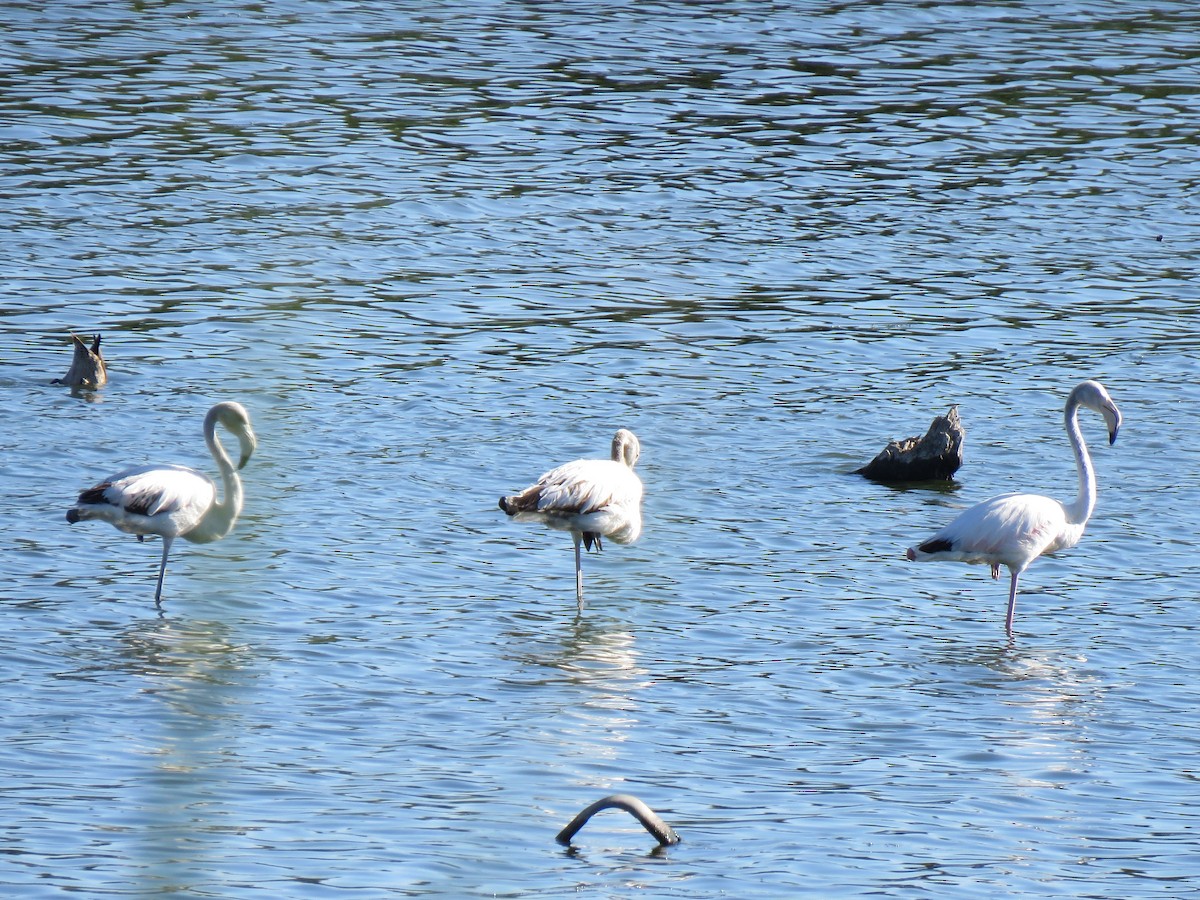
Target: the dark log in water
pixel 935 456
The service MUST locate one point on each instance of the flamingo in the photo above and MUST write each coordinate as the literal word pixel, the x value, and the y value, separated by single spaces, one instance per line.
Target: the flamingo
pixel 591 498
pixel 1015 529
pixel 175 501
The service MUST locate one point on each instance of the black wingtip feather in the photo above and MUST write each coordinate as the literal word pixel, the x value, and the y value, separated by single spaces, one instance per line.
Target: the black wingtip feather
pixel 94 494
pixel 936 546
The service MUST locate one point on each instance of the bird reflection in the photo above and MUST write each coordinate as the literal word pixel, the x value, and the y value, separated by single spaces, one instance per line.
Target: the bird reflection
pixel 1047 701
pixel 186 739
pixel 595 653
pixel 600 659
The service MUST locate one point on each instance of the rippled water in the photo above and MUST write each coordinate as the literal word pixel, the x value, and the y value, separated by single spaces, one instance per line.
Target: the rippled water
pixel 436 248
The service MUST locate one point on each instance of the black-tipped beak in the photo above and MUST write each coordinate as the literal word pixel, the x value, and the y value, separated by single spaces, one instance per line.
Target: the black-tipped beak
pixel 1112 418
pixel 249 443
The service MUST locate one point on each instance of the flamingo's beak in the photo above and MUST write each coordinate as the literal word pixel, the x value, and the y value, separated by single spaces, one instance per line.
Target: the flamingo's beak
pixel 248 442
pixel 1112 418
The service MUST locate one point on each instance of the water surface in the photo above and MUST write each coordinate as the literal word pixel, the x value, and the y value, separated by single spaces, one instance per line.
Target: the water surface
pixel 438 248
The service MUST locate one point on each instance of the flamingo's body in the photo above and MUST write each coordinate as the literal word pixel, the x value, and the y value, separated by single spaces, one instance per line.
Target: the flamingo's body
pixel 591 498
pixel 175 501
pixel 1013 530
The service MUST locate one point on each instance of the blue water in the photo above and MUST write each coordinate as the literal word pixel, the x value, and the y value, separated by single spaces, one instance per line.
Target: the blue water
pixel 438 248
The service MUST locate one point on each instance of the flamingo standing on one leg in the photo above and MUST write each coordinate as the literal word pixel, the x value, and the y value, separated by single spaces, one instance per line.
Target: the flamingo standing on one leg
pixel 1015 529
pixel 175 501
pixel 591 498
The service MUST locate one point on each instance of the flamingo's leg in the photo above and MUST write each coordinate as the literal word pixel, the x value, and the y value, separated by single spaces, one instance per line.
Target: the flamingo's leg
pixel 1012 603
pixel 162 569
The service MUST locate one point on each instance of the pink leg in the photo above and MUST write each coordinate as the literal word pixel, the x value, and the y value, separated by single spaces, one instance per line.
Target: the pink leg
pixel 1012 604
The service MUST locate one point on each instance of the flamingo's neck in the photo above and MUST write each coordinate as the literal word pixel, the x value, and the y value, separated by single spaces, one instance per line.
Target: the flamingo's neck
pixel 625 449
pixel 219 519
pixel 1080 510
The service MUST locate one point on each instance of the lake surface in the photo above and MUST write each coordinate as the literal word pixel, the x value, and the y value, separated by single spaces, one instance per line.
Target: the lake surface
pixel 437 248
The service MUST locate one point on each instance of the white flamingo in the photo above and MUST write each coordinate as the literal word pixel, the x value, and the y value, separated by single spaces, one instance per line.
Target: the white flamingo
pixel 175 501
pixel 1015 529
pixel 591 498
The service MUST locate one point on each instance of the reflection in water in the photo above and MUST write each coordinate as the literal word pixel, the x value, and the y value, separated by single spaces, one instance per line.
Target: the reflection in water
pixel 598 659
pixel 1042 733
pixel 87 395
pixel 199 675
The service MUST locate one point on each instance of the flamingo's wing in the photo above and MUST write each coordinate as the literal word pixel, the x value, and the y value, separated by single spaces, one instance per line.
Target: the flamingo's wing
pixel 586 486
pixel 151 490
pixel 1009 529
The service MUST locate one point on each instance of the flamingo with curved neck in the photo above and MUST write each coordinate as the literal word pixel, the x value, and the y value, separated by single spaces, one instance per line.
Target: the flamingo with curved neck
pixel 175 501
